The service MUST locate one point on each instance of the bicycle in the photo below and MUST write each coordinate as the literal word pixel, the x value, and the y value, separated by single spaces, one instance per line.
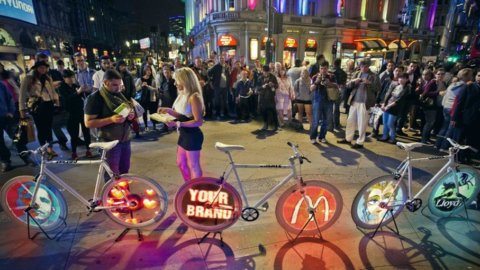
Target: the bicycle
pixel 454 187
pixel 212 205
pixel 130 201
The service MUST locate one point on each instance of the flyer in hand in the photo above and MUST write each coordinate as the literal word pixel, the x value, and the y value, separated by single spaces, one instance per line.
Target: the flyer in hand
pixel 162 117
pixel 122 110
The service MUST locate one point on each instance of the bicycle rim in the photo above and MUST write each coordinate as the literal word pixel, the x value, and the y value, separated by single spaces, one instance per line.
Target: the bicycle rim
pixel 134 201
pixel 292 210
pixel 49 209
pixel 206 205
pixel 444 200
pixel 369 205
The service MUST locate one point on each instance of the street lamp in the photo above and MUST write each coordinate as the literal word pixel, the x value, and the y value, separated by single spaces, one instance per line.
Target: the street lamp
pixel 402 22
pixel 92 19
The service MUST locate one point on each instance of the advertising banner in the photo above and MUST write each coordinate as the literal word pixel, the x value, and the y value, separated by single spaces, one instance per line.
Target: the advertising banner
pixel 22 10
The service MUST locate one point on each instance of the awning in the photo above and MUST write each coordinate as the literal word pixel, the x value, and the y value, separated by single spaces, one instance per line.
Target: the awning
pixel 394 44
pixel 371 44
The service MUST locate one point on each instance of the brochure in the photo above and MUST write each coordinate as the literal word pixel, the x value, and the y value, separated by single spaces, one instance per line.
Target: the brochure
pixel 122 110
pixel 162 117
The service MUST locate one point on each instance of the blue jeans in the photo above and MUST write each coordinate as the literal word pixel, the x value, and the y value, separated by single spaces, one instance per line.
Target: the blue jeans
pixel 441 142
pixel 118 158
pixel 430 116
pixel 389 121
pixel 322 110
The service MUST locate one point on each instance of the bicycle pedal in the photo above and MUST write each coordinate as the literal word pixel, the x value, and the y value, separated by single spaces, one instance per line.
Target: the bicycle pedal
pixel 414 205
pixel 93 205
pixel 264 207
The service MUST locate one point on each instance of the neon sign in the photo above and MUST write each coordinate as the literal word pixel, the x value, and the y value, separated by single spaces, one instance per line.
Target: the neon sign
pixel 227 41
pixel 311 43
pixel 290 43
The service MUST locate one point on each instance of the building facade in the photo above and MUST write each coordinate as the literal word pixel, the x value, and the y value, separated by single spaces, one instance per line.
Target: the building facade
pixel 335 28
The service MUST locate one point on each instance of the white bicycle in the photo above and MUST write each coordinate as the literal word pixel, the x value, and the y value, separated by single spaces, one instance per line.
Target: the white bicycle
pixel 383 198
pixel 128 200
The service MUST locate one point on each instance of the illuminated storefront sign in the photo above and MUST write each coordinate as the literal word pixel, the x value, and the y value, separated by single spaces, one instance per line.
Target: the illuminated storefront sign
pixel 144 43
pixel 22 10
pixel 290 43
pixel 253 49
pixel 227 41
pixel 311 44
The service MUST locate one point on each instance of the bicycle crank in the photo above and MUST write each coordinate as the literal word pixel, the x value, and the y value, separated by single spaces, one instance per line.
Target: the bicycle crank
pixel 250 214
pixel 414 204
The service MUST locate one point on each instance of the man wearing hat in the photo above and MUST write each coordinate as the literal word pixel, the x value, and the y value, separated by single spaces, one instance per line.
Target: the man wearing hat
pixel 267 83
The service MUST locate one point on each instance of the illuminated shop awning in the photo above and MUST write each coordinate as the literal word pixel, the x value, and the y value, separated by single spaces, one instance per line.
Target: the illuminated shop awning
pixel 311 44
pixel 394 44
pixel 227 41
pixel 290 43
pixel 369 44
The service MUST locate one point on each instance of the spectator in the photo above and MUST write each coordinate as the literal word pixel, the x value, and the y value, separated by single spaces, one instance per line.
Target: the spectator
pixel 315 68
pixel 266 95
pixel 365 85
pixel 98 76
pixel 219 75
pixel 303 96
pixel 341 78
pixel 99 113
pixel 148 92
pixel 350 73
pixel 39 86
pixel 243 93
pixel 188 110
pixel 294 72
pixel 284 95
pixel 71 93
pixel 322 106
pixel 7 110
pixel 390 104
pixel 428 92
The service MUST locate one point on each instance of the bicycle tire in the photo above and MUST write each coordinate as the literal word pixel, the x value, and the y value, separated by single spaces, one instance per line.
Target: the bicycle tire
pixel 50 209
pixel 195 197
pixel 140 201
pixel 443 200
pixel 290 213
pixel 367 214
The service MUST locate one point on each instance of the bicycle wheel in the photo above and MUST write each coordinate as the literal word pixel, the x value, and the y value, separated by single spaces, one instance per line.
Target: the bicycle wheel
pixel 49 210
pixel 134 201
pixel 292 208
pixel 206 205
pixel 370 203
pixel 444 200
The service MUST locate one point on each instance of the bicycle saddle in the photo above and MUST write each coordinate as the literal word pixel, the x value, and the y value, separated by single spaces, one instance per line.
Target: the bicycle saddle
pixel 104 145
pixel 226 147
pixel 409 146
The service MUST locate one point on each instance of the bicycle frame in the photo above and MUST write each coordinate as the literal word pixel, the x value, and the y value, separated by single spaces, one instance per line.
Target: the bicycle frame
pixel 406 167
pixel 44 171
pixel 232 167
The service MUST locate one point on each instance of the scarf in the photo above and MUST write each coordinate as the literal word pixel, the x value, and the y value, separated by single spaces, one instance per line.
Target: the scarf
pixel 113 100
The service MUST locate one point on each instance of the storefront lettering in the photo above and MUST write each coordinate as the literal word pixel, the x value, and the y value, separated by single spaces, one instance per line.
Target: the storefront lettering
pixel 17 4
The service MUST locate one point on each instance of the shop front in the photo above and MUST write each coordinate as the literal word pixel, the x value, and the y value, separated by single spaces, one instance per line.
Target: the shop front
pixel 11 56
pixel 290 47
pixel 227 44
pixel 310 50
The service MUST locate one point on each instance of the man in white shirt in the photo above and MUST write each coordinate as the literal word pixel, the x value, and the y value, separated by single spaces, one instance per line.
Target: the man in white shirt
pixel 98 76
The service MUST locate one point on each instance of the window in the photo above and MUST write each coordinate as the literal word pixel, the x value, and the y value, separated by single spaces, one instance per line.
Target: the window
pixel 312 8
pixel 230 5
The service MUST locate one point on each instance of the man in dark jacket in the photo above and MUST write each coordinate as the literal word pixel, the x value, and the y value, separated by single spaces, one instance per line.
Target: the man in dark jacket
pixel 220 76
pixel 266 95
pixel 7 109
pixel 127 79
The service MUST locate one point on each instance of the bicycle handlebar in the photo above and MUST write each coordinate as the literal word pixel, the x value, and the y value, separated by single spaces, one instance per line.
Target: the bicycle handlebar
pixel 40 150
pixel 300 157
pixel 454 144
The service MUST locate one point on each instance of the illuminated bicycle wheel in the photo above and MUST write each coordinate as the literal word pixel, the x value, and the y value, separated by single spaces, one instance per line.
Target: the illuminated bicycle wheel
pixel 49 208
pixel 372 201
pixel 293 206
pixel 444 199
pixel 206 205
pixel 133 201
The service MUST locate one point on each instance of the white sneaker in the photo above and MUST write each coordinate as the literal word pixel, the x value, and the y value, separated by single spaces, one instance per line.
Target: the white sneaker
pixel 323 140
pixel 312 141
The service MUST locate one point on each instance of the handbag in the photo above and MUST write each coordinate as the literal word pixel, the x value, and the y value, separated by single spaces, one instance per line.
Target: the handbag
pixel 33 103
pixel 139 110
pixel 427 101
pixel 25 132
pixel 333 93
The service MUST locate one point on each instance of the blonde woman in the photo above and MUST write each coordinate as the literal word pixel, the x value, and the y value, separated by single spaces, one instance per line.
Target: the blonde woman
pixel 284 95
pixel 188 111
pixel 303 96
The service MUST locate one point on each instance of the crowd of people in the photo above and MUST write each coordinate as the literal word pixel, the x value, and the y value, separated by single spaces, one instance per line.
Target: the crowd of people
pixel 409 99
